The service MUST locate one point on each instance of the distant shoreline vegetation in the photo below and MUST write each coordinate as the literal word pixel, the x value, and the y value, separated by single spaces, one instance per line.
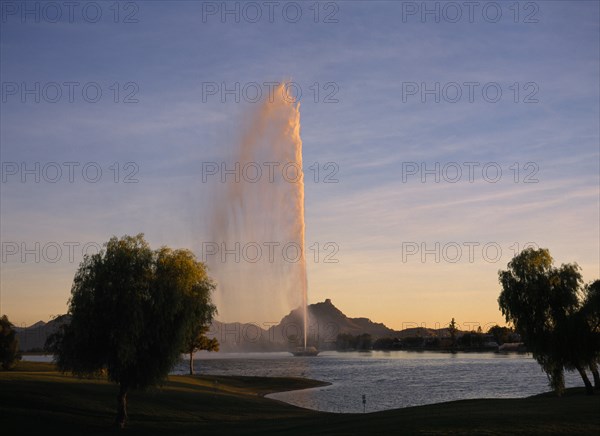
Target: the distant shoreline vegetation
pixel 330 329
pixel 496 339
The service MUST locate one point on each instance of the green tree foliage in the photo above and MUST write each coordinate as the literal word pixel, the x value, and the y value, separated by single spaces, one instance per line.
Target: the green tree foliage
pixel 364 342
pixel 386 343
pixel 501 334
pixel 591 310
pixel 591 313
pixel 542 302
pixel 346 341
pixel 472 340
pixel 452 329
pixel 204 311
pixel 199 341
pixel 413 342
pixel 9 344
pixel 131 311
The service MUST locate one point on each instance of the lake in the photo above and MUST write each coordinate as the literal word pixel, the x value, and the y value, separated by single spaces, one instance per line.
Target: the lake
pixel 387 379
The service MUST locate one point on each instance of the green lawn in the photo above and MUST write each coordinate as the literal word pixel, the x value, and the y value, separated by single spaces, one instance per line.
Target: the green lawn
pixel 34 398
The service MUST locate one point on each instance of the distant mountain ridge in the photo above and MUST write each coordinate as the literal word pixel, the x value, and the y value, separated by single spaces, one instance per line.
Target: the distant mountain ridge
pixel 325 322
pixel 34 337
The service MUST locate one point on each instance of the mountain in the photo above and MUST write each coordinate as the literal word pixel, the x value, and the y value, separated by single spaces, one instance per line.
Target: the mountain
pixel 34 337
pixel 325 322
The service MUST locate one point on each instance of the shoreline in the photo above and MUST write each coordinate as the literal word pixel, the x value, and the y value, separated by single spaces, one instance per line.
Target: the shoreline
pixel 406 350
pixel 35 398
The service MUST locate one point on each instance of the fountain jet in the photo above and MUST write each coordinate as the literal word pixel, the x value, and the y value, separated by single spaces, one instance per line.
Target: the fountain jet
pixel 263 210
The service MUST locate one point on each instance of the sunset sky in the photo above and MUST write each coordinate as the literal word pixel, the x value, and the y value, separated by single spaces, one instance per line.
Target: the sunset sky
pixel 160 117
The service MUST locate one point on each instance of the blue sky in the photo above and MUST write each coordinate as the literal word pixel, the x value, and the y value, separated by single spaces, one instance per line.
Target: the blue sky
pixel 370 55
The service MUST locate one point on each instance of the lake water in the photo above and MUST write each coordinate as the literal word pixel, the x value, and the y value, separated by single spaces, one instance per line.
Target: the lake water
pixel 387 379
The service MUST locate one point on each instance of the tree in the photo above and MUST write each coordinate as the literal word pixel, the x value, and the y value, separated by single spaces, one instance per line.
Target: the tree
pixel 452 329
pixel 573 338
pixel 9 344
pixel 471 339
pixel 501 334
pixel 385 343
pixel 199 341
pixel 204 311
pixel 131 310
pixel 345 341
pixel 591 312
pixel 364 342
pixel 542 302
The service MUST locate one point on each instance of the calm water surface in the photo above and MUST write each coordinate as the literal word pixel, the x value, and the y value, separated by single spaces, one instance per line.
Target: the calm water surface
pixel 388 379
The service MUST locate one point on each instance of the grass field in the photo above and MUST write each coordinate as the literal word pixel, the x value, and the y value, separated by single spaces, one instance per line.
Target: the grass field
pixel 34 399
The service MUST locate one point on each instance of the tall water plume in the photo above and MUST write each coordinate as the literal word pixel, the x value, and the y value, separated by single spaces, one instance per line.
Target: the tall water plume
pixel 260 207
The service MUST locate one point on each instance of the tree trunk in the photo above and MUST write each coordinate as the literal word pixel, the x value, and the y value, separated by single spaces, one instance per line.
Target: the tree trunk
pixel 594 369
pixel 122 406
pixel 191 363
pixel 589 389
pixel 556 376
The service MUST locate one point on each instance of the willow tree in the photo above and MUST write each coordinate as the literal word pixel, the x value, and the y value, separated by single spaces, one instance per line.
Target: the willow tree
pixel 196 341
pixel 9 344
pixel 204 311
pixel 542 302
pixel 131 310
pixel 591 313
